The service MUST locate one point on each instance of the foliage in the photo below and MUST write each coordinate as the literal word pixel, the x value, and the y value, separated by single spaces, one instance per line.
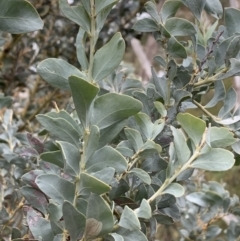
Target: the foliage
pixel 128 154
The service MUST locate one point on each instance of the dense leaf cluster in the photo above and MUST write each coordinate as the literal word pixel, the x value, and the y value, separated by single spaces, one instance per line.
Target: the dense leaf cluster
pixel 128 156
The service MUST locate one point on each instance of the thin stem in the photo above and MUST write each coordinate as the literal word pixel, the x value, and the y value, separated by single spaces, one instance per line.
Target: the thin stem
pixel 179 171
pixel 205 111
pixel 168 81
pixel 211 79
pixel 92 40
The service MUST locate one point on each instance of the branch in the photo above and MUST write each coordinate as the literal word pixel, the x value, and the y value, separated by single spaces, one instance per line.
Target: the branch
pixel 210 50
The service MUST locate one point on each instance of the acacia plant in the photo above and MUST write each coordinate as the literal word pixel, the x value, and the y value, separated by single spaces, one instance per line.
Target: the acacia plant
pixel 117 165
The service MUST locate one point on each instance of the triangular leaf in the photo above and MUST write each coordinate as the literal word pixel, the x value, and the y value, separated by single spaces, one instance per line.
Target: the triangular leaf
pixel 144 211
pixel 83 95
pixel 90 184
pixel 107 58
pixel 129 219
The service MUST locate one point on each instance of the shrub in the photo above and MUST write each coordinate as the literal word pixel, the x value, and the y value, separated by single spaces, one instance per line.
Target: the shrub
pixel 128 157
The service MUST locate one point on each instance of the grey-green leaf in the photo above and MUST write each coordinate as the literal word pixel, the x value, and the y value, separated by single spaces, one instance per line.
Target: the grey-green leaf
pixel 35 198
pixel 232 19
pixel 60 128
pixel 233 48
pixel 37 224
pixel 112 108
pixel 81 54
pixel 15 21
pixel 117 237
pixel 180 27
pixel 77 14
pixel 219 94
pixel 106 157
pixel 151 8
pixel 57 71
pixel 54 157
pixel 92 142
pixel 105 175
pixel 145 124
pixel 101 4
pixel 174 189
pixel 56 188
pixel 110 132
pixel 229 103
pixel 83 95
pixel 144 176
pixel 221 51
pixel 216 159
pixel 195 7
pixel 71 157
pixel 107 58
pixel 99 217
pixel 74 221
pixel 134 138
pixel 176 49
pixel 102 15
pixel 193 126
pixel 220 137
pixel 129 235
pixel 90 184
pixel 233 71
pixel 214 8
pixel 169 9
pixel 144 211
pixel 146 25
pixel 182 150
pixel 160 60
pixel 129 219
